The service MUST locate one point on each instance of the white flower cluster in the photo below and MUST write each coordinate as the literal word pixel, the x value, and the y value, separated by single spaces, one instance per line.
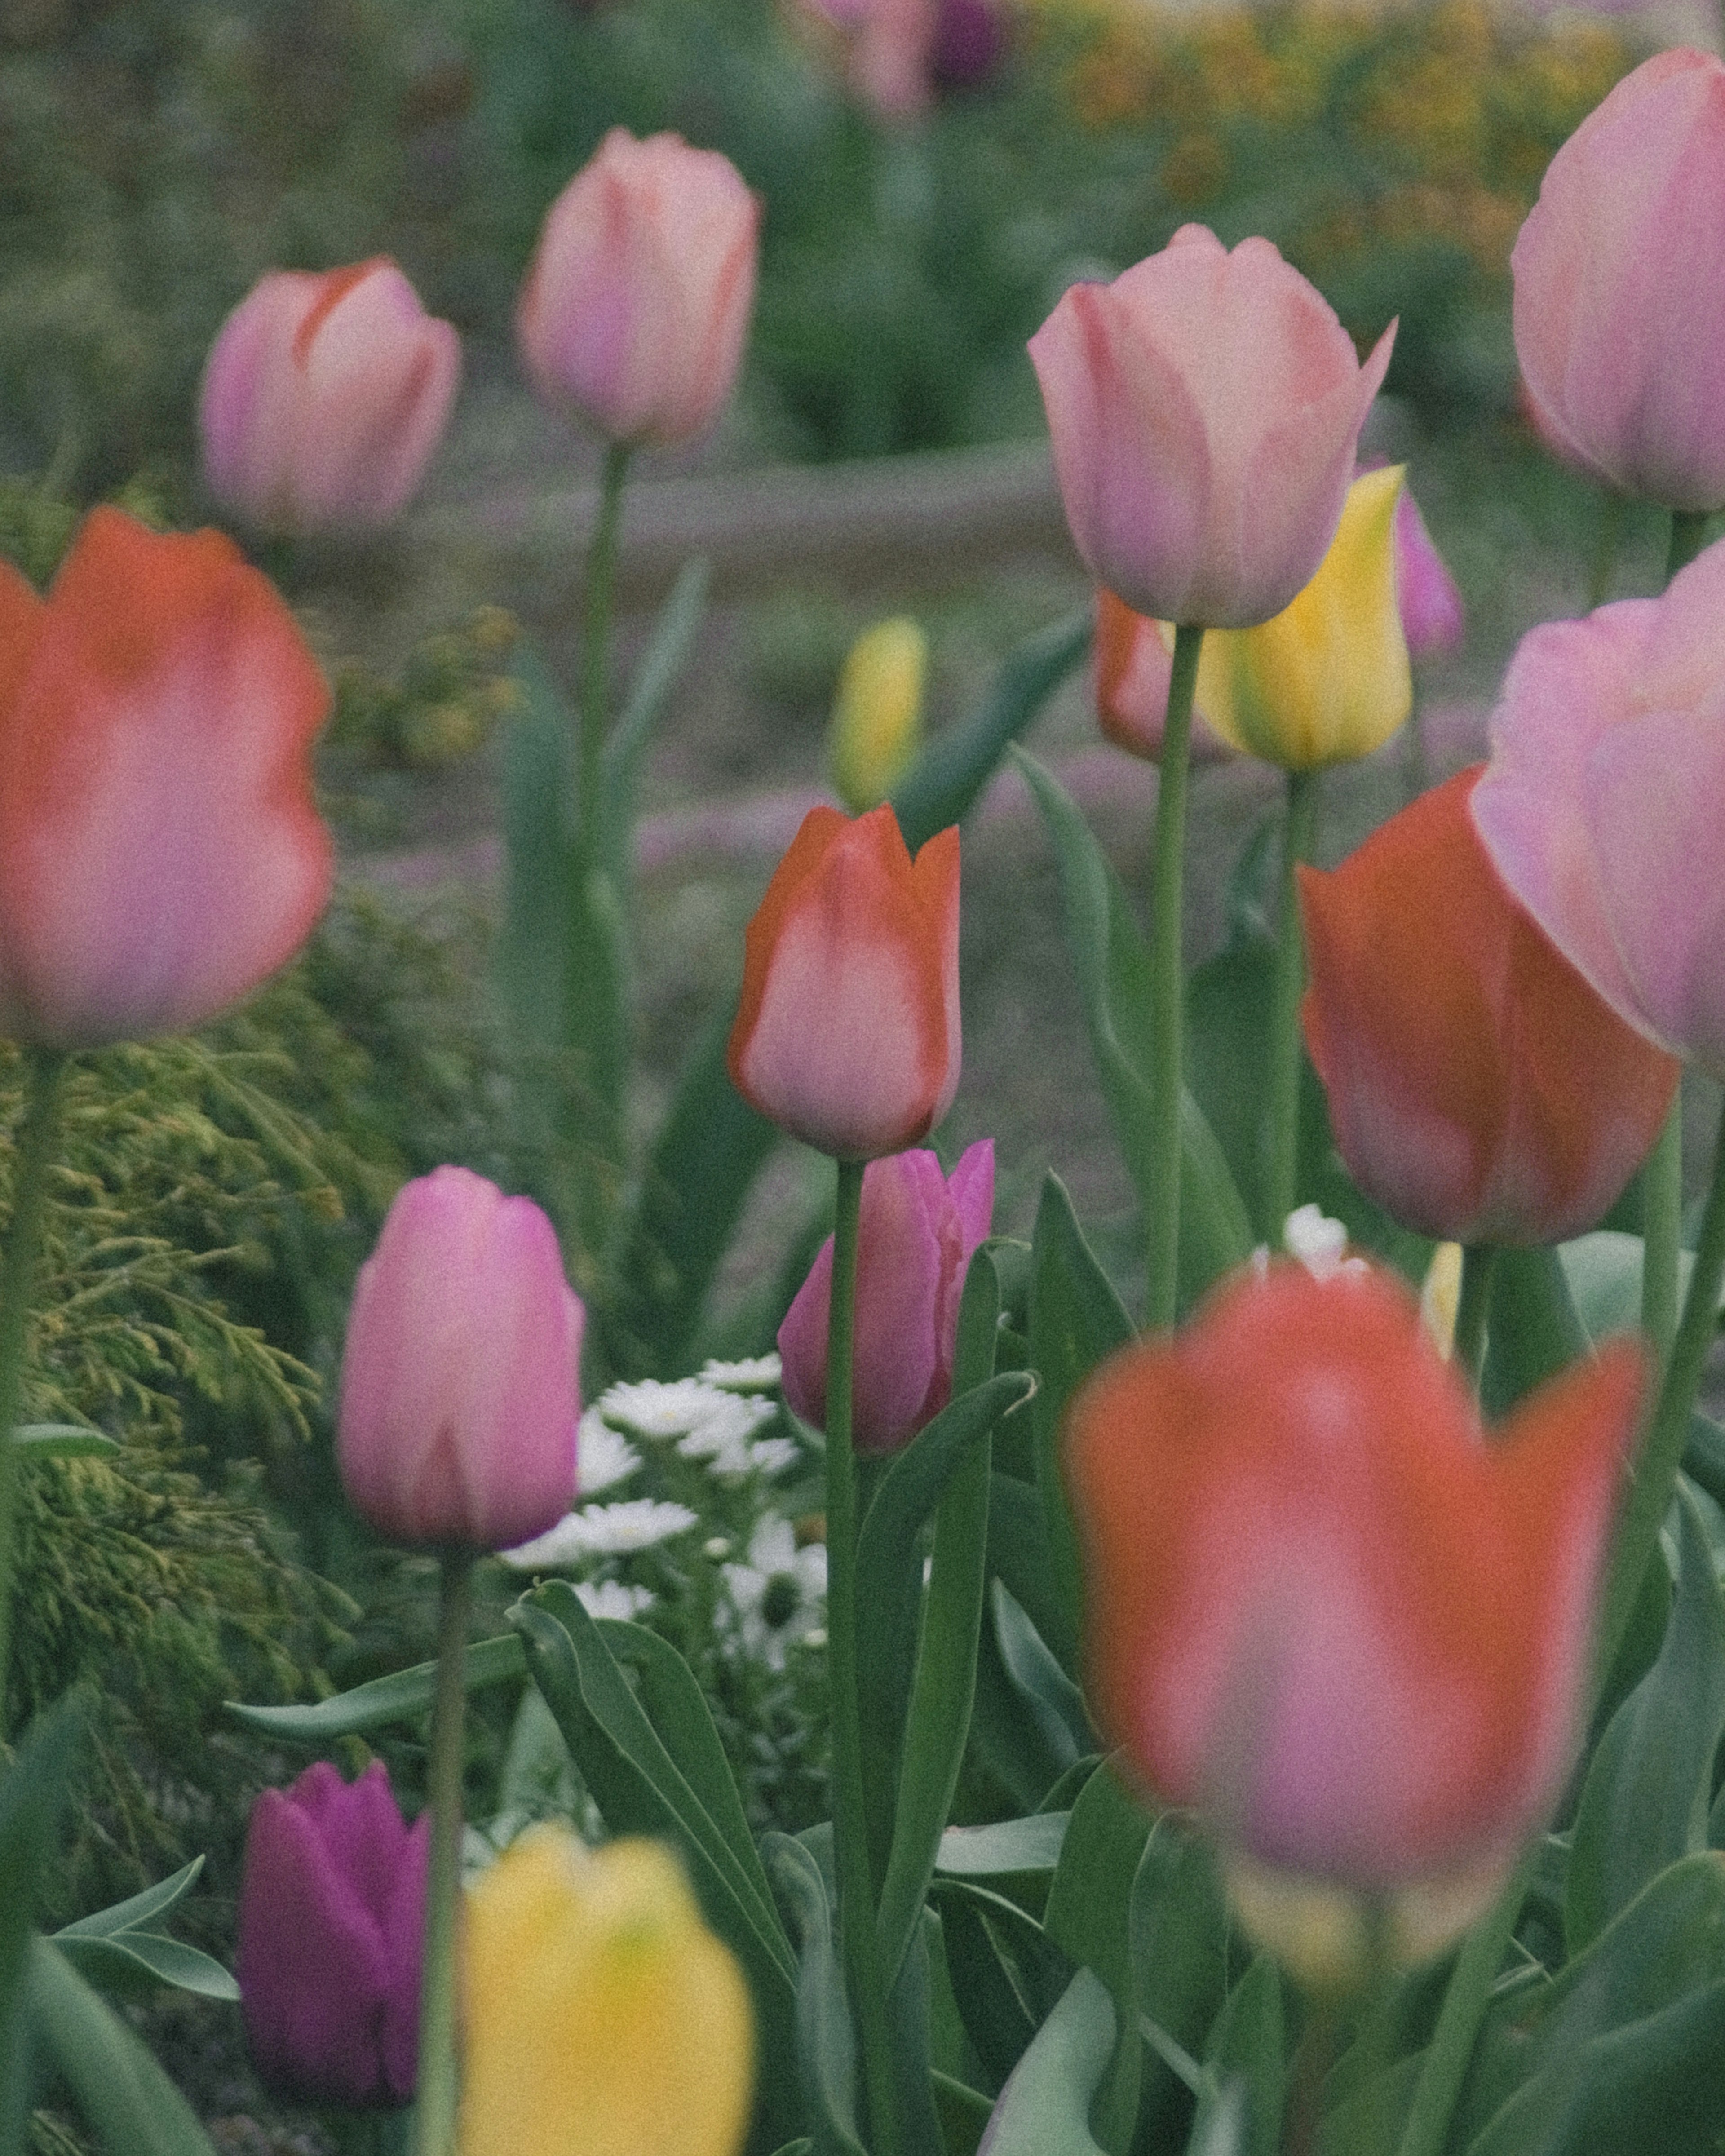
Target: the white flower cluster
pixel 779 1597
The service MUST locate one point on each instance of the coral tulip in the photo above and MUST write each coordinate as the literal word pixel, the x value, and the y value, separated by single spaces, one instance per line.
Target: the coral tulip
pixel 847 1034
pixel 324 398
pixel 602 2018
pixel 637 303
pixel 160 851
pixel 915 1240
pixel 1600 805
pixel 1620 286
pixel 1135 663
pixel 459 1382
pixel 877 714
pixel 1479 1090
pixel 331 1928
pixel 1320 1608
pixel 1205 409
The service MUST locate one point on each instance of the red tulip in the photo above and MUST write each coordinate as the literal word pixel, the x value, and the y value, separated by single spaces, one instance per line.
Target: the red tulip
pixel 1321 1608
pixel 847 1034
pixel 160 851
pixel 1480 1090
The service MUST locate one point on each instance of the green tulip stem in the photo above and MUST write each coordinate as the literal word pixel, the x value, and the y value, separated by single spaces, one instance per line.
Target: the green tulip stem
pixel 1167 984
pixel 1661 1233
pixel 440 2082
pixel 1662 1448
pixel 1286 1055
pixel 1465 1999
pixel 859 1931
pixel 1479 1268
pixel 596 651
pixel 43 1068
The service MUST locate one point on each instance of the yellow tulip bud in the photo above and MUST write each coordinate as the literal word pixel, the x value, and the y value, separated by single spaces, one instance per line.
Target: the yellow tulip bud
pixel 877 715
pixel 601 2017
pixel 1327 679
pixel 1440 1298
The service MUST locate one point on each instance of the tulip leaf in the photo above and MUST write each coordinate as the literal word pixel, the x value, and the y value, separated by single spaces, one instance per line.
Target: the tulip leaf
pixel 1076 1320
pixel 1089 1900
pixel 1008 1847
pixel 825 2049
pixel 136 1910
pixel 1704 1457
pixel 132 1965
pixel 61 1441
pixel 1645 1802
pixel 1045 2108
pixel 1179 1929
pixel 1112 964
pixel 1006 1974
pixel 33 1790
pixel 121 2092
pixel 1009 1741
pixel 1054 1703
pixel 657 672
pixel 1246 2058
pixel 1019 1554
pixel 938 1723
pixel 403 1696
pixel 941 788
pixel 1534 1331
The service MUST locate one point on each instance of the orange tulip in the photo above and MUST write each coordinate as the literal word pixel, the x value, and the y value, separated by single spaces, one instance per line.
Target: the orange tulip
pixel 1480 1090
pixel 847 1034
pixel 160 851
pixel 1322 1610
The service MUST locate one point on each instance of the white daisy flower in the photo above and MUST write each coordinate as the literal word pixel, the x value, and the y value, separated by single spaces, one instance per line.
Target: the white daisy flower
pixel 772 1455
pixel 1320 1244
pixel 651 1409
pixel 602 1457
pixel 759 1374
pixel 613 1597
pixel 638 1524
pixel 780 1595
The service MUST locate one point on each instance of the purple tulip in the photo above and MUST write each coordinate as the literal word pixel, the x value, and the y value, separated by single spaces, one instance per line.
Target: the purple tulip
pixel 917 1234
pixel 331 1934
pixel 1433 619
pixel 969 39
pixel 459 1397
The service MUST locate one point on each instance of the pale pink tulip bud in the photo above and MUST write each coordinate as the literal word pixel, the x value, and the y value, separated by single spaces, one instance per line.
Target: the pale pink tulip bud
pixel 324 398
pixel 1432 617
pixel 1205 409
pixel 915 1240
pixel 1620 286
pixel 637 303
pixel 460 1380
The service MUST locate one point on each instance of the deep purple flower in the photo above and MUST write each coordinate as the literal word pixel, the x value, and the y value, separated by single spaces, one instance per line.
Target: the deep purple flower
pixel 331 1935
pixel 969 39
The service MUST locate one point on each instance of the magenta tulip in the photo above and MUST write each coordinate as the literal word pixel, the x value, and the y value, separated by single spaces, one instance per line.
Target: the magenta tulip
pixel 637 303
pixel 1600 806
pixel 331 1931
pixel 917 1235
pixel 324 398
pixel 1205 409
pixel 459 1384
pixel 1620 286
pixel 1432 617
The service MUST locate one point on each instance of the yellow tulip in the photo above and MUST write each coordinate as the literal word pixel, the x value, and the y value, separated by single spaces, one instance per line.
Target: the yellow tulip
pixel 877 714
pixel 601 2017
pixel 1326 680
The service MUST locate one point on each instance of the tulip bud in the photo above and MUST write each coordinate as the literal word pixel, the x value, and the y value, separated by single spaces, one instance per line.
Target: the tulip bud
pixel 1327 680
pixel 915 1240
pixel 1434 620
pixel 161 850
pixel 602 2018
pixel 459 1397
pixel 331 1932
pixel 847 1034
pixel 1600 806
pixel 1135 664
pixel 1479 1090
pixel 637 303
pixel 323 396
pixel 877 715
pixel 1322 1610
pixel 1619 299
pixel 1205 409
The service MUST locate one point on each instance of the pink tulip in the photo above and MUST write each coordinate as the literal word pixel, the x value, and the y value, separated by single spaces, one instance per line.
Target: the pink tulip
pixel 1432 617
pixel 637 303
pixel 459 1383
pixel 848 1032
pixel 916 1237
pixel 1620 286
pixel 161 850
pixel 323 396
pixel 1601 804
pixel 1205 409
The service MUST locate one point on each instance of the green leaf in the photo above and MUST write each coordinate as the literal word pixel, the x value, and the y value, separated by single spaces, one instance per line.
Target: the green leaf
pixel 1045 2108
pixel 1090 1902
pixel 942 784
pixel 137 1911
pixel 1178 1929
pixel 403 1696
pixel 964 2113
pixel 119 2089
pixel 61 1441
pixel 825 2050
pixel 33 1791
pixel 657 672
pixel 132 1965
pixel 1053 1703
pixel 1032 1843
pixel 1111 962
pixel 1246 2059
pixel 1019 1554
pixel 1645 1802
pixel 1603 1273
pixel 1076 1320
pixel 1007 1974
pixel 1534 1329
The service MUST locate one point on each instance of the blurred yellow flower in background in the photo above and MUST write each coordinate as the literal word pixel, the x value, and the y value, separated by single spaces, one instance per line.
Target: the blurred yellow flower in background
pixel 877 714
